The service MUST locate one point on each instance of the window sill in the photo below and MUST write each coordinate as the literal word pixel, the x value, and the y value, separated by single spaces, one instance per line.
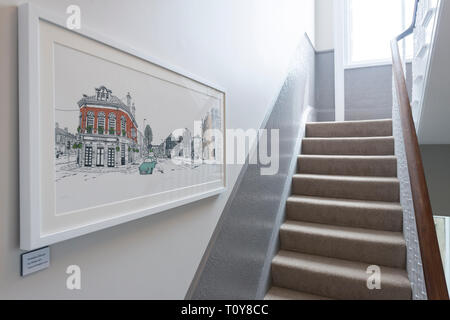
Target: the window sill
pixel 371 64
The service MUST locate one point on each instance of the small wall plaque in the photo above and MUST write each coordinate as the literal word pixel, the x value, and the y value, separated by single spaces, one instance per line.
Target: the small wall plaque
pixel 34 261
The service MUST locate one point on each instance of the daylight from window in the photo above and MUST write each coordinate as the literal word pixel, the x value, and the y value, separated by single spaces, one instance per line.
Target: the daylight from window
pixel 371 24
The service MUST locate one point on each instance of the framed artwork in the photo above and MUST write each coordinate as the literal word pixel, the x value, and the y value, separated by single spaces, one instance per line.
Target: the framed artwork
pixel 107 134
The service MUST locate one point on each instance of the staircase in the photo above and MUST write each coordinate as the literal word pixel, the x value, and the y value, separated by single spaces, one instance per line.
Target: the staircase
pixel 343 216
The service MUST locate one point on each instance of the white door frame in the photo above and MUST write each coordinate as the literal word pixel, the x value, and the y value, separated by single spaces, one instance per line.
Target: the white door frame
pixel 339 78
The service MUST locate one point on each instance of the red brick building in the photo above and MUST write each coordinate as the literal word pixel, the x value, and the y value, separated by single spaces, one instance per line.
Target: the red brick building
pixel 108 131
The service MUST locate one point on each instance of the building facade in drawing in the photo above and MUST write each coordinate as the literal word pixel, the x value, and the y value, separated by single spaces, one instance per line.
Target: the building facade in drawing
pixel 212 147
pixel 108 132
pixel 64 141
pixel 166 147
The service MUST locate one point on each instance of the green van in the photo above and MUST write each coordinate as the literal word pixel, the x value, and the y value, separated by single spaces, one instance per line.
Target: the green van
pixel 147 166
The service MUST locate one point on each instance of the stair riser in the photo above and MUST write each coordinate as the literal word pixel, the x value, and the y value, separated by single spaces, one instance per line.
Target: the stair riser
pixel 350 129
pixel 334 286
pixel 345 189
pixel 346 216
pixel 349 147
pixel 348 166
pixel 385 254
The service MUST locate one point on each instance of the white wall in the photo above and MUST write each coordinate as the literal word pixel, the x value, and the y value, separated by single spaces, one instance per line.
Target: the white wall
pixel 244 46
pixel 434 125
pixel 324 25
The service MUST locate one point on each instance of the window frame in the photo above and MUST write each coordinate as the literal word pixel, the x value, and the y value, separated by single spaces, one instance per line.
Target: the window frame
pixel 123 124
pixel 90 116
pixel 101 117
pixel 112 123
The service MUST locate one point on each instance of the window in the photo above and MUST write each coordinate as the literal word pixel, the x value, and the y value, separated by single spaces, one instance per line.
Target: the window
pixel 103 94
pixel 123 125
pixel 90 121
pixel 112 123
pixel 370 25
pixel 101 122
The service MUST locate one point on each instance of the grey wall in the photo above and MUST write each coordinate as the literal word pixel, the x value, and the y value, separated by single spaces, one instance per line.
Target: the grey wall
pixel 243 46
pixel 233 267
pixel 368 90
pixel 325 86
pixel 436 162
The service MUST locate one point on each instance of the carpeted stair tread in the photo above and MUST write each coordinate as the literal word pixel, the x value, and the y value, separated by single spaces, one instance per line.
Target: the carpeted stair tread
pixel 347 187
pixel 369 246
pixel 373 146
pixel 377 166
pixel 386 216
pixel 370 128
pixel 336 278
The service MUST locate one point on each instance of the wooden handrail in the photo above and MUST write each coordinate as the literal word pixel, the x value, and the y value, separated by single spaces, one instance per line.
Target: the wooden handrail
pixel 429 248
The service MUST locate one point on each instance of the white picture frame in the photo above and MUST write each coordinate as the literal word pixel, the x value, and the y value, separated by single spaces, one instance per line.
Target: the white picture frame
pixel 33 215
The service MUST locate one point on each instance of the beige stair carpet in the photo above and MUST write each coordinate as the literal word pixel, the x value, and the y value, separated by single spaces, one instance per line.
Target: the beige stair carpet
pixel 343 216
